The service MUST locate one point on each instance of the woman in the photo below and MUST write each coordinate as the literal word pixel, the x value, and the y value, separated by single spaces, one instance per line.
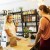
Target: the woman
pixel 44 29
pixel 10 28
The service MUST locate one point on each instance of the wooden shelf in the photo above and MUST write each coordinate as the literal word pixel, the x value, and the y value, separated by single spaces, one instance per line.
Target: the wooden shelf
pixel 15 13
pixel 3 14
pixel 24 23
pixel 30 21
pixel 24 32
pixel 28 14
pixel 31 26
pixel 20 26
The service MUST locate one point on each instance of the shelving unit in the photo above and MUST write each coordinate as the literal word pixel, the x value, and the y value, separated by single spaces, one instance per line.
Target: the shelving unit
pixel 25 19
pixel 31 21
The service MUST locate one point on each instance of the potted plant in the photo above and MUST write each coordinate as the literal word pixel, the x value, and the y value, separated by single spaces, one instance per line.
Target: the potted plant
pixel 26 32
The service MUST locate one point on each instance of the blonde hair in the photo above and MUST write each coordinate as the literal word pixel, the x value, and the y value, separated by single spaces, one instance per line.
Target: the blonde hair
pixel 8 17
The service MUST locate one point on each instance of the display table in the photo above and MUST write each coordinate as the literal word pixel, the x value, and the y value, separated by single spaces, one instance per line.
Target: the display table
pixel 21 45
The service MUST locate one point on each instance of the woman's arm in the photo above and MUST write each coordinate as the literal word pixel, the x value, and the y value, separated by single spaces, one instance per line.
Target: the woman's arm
pixel 8 33
pixel 38 36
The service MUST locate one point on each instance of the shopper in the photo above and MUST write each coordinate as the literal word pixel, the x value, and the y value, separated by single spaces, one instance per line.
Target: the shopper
pixel 10 28
pixel 43 33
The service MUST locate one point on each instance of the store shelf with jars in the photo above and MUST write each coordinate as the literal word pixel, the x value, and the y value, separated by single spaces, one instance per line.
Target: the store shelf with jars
pixel 30 20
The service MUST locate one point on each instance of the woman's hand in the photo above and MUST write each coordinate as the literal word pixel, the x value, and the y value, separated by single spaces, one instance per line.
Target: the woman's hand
pixel 31 45
pixel 18 38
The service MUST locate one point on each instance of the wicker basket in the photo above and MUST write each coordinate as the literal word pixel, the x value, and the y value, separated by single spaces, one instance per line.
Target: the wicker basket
pixel 13 41
pixel 1 48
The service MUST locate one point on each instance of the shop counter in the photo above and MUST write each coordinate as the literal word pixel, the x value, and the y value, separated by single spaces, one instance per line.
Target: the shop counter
pixel 21 45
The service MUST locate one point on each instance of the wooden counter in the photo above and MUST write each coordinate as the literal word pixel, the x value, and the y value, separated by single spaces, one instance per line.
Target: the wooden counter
pixel 21 45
